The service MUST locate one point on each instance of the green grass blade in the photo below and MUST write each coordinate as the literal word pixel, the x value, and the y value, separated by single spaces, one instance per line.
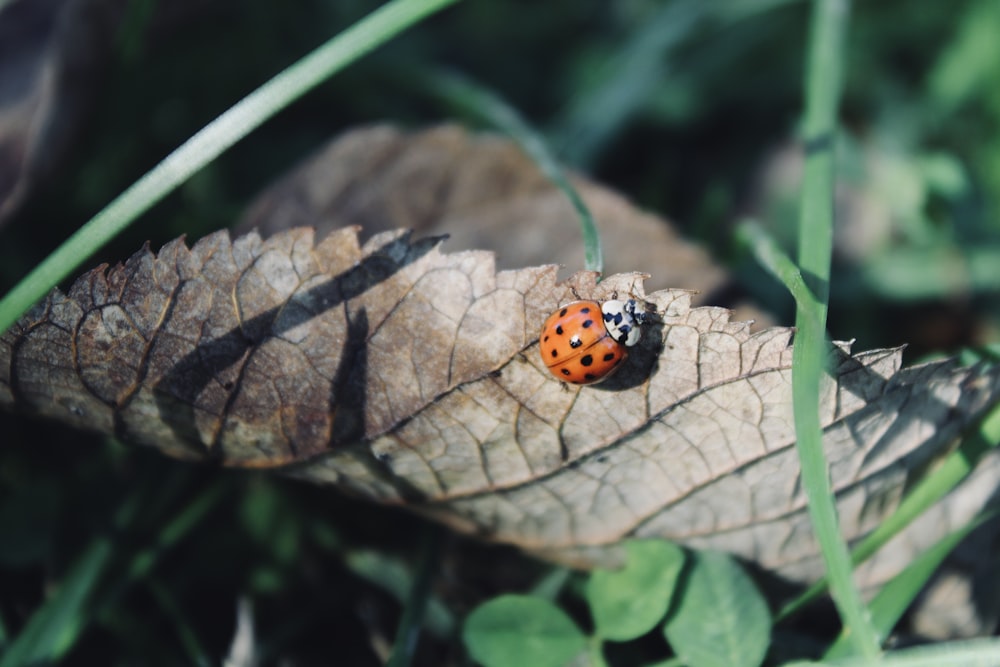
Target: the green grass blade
pixel 625 82
pixel 174 531
pixel 639 68
pixel 196 652
pixel 397 578
pixel 86 591
pixel 927 491
pixel 770 256
pixel 966 653
pixel 823 84
pixel 485 104
pixel 209 142
pixel 896 596
pixel 54 627
pixel 409 625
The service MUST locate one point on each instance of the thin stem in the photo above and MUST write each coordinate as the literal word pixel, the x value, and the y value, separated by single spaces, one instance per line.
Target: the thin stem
pixel 823 85
pixel 489 106
pixel 409 626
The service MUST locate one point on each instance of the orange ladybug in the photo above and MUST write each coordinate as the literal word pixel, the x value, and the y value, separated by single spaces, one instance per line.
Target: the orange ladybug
pixel 584 342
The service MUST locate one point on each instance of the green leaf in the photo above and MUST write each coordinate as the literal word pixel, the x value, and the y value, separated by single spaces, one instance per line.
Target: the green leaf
pixel 627 603
pixel 720 617
pixel 521 630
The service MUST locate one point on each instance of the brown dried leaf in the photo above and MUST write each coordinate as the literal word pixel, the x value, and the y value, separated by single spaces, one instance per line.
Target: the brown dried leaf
pixel 485 194
pixel 410 376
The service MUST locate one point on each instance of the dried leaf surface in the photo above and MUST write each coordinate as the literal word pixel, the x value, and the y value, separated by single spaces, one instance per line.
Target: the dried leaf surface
pixel 485 194
pixel 411 376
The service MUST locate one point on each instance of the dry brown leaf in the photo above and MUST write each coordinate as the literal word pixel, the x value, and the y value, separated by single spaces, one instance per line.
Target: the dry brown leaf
pixel 485 194
pixel 411 376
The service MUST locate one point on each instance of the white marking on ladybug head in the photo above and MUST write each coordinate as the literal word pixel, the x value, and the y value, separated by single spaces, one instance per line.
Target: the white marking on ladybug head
pixel 622 320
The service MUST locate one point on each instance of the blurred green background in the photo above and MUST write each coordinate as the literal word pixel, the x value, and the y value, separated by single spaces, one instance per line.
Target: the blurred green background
pixel 689 108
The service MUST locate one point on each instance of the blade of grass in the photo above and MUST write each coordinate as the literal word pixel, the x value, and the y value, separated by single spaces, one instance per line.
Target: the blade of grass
pixel 396 577
pixel 927 491
pixel 930 488
pixel 55 625
pixel 53 628
pixel 488 106
pixel 208 143
pixel 639 68
pixel 409 625
pixel 187 638
pixel 626 81
pixel 896 596
pixel 552 584
pixel 823 83
pixel 173 532
pixel 770 256
pixel 965 653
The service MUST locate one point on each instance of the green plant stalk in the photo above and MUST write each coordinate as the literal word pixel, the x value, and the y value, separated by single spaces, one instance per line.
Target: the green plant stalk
pixel 930 488
pixel 490 107
pixel 595 651
pixel 983 652
pixel 823 83
pixel 778 264
pixel 641 66
pixel 197 654
pixel 409 625
pixel 209 142
pixel 54 627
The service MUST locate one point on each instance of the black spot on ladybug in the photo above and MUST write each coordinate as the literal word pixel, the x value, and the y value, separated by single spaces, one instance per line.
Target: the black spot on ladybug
pixel 586 360
pixel 590 376
pixel 565 371
pixel 575 342
pixel 562 313
pixel 559 330
pixel 609 356
pixel 546 339
pixel 587 324
pixel 555 353
pixel 585 309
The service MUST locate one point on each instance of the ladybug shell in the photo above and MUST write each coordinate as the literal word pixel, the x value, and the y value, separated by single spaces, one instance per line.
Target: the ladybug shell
pixel 576 345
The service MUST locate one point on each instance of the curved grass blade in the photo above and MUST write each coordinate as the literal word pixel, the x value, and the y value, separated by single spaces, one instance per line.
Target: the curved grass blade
pixel 209 142
pixel 487 105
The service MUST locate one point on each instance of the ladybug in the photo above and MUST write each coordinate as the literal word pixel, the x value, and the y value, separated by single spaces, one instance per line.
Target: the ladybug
pixel 584 342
